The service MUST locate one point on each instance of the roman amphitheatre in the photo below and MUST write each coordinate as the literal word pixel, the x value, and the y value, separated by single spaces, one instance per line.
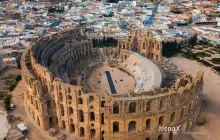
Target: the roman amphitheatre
pixel 125 92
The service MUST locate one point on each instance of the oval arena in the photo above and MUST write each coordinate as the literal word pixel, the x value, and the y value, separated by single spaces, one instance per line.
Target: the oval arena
pixel 126 92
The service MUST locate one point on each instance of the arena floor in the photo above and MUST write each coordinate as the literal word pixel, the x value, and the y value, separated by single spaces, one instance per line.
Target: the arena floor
pixel 99 82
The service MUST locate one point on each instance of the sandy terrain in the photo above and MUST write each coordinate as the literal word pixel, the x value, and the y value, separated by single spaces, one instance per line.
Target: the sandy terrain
pixel 121 87
pixel 211 90
pixel 34 132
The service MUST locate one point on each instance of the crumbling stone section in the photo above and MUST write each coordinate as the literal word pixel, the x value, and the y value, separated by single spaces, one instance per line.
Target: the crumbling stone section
pixel 54 98
pixel 143 43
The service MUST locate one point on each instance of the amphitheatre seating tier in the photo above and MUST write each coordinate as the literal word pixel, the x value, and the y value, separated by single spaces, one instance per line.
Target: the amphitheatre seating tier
pixel 146 73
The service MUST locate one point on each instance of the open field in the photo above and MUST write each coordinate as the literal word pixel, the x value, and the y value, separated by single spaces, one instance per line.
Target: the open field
pixel 7 79
pixel 211 110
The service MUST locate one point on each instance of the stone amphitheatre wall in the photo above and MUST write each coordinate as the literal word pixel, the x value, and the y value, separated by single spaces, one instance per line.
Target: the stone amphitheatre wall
pixel 51 102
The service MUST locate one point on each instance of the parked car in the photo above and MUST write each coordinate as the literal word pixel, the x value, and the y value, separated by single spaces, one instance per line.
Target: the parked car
pixel 12 106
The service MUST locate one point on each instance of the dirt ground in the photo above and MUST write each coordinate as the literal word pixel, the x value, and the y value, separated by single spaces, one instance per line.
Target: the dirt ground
pixel 7 78
pixel 98 74
pixel 211 91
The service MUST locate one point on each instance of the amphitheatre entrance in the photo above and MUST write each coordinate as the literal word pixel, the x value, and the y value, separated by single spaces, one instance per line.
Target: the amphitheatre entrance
pixel 110 80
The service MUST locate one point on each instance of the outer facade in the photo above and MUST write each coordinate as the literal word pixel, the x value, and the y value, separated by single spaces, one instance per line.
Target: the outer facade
pixel 52 99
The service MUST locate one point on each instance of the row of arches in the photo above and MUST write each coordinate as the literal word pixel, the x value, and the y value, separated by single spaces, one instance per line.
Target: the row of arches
pixel 134 107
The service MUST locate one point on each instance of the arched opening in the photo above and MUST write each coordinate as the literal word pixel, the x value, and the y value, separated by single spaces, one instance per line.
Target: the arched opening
pixel 48 104
pixel 182 113
pixel 161 121
pixel 125 57
pixel 160 137
pixel 172 117
pixel 38 121
pixel 132 126
pixel 80 101
pixel 115 127
pixel 51 121
pixel 102 135
pixel 81 116
pixel 157 58
pixel 63 124
pixel 91 99
pixel 61 109
pixel 69 97
pixel 102 118
pixel 70 110
pixel 36 105
pixel 81 132
pixel 144 45
pixel 171 136
pixel 190 107
pixel 60 96
pixel 92 131
pixel 147 139
pixel 188 126
pixel 148 106
pixel 115 108
pixel 92 116
pixel 161 107
pixel 72 128
pixel 79 92
pixel 173 101
pixel 132 107
pixel 148 123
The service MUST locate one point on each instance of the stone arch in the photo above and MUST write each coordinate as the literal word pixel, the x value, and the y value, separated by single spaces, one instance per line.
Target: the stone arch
pixel 115 108
pixel 132 107
pixel 173 117
pixel 51 88
pixel 92 116
pixel 70 110
pixel 36 105
pixel 161 121
pixel 182 113
pixel 60 96
pixel 61 109
pixel 148 124
pixel 162 104
pixel 69 97
pixel 115 127
pixel 148 106
pixel 190 107
pixel 91 99
pixel 132 126
pixel 81 116
pixel 92 132
pixel 81 132
pixel 102 118
pixel 188 125
pixel 63 124
pixel 38 121
pixel 79 92
pixel 72 128
pixel 173 101
pixel 80 101
pixel 160 137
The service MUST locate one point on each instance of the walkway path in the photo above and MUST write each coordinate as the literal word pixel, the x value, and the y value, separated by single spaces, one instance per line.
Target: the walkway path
pixel 211 90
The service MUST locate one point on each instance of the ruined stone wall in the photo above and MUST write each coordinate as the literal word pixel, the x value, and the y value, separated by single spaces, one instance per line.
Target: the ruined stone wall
pixel 145 44
pixel 50 102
